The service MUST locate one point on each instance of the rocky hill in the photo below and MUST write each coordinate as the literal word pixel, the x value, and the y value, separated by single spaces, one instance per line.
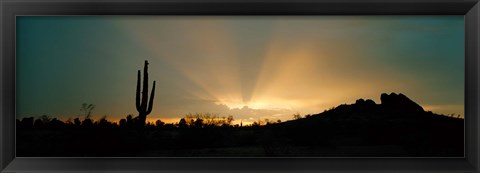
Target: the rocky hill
pixel 397 125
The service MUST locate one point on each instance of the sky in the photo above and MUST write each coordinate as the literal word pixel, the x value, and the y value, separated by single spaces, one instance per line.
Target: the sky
pixel 250 67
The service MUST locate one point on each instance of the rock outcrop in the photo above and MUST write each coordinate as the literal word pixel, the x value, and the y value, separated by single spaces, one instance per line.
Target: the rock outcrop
pixel 399 103
pixel 368 104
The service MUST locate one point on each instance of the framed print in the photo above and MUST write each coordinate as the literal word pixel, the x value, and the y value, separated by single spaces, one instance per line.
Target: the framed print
pixel 239 86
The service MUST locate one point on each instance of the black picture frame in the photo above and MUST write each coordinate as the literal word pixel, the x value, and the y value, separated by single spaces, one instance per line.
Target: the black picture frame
pixel 11 8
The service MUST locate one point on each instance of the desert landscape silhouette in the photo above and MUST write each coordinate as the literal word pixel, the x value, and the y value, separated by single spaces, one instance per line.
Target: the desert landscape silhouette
pixel 396 127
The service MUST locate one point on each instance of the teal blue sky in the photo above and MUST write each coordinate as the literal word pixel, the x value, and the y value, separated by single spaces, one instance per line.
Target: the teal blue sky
pixel 249 67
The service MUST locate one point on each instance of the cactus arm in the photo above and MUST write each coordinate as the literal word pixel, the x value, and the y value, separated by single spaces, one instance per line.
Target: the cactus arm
pixel 145 87
pixel 137 100
pixel 150 103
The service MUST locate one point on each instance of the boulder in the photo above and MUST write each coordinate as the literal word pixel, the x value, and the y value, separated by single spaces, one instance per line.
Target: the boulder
pixel 365 103
pixel 370 102
pixel 359 102
pixel 399 103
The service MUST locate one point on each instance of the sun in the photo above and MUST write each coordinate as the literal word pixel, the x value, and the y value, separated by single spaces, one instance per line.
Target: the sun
pixel 258 105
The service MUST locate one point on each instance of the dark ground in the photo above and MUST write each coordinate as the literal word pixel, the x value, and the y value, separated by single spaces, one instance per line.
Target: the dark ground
pixel 364 129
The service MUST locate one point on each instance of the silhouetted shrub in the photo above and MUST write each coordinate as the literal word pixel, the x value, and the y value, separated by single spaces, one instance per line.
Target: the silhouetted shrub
pixel 159 123
pixel 87 122
pixel 362 127
pixel 129 121
pixel 54 123
pixel 77 122
pixel 182 123
pixel 38 123
pixel 27 122
pixel 122 122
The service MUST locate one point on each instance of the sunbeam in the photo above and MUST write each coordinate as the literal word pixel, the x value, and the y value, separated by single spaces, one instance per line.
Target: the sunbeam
pixel 297 65
pixel 240 86
pixel 244 66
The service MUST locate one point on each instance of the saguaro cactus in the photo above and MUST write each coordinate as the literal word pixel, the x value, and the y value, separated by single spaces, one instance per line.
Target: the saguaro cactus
pixel 141 105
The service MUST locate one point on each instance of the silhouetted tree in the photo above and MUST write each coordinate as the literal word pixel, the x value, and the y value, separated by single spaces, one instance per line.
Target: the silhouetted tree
pixel 87 122
pixel 297 116
pixel 122 122
pixel 229 120
pixel 141 105
pixel 45 119
pixel 198 123
pixel 88 109
pixel 129 122
pixel 169 126
pixel 159 123
pixel 267 121
pixel 38 123
pixel 182 123
pixel 69 122
pixel 27 122
pixel 149 124
pixel 135 120
pixel 103 122
pixel 77 122
pixel 54 123
pixel 207 120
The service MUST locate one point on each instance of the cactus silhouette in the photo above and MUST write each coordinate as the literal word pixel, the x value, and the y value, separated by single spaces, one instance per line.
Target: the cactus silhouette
pixel 141 103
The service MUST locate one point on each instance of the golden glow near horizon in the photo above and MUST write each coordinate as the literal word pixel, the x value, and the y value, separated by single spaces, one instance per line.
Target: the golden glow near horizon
pixel 294 69
pixel 273 67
